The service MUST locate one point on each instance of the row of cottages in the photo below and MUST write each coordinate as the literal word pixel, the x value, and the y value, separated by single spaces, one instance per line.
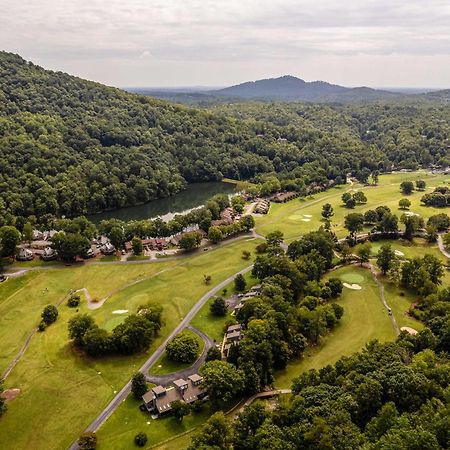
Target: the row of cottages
pixel 159 399
pixel 26 254
pixel 43 235
pixel 232 337
pixel 149 244
pixel 283 197
pixel 262 206
pixel 253 292
pixel 226 217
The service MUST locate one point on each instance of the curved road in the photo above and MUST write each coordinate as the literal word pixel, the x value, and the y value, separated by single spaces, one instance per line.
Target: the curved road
pixel 168 378
pixel 122 395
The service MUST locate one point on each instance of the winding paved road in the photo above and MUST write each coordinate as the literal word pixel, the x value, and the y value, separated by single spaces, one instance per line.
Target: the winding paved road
pixel 122 395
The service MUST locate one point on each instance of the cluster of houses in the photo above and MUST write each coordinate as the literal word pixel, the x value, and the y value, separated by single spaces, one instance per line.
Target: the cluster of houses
pixel 40 246
pixel 159 399
pixel 227 217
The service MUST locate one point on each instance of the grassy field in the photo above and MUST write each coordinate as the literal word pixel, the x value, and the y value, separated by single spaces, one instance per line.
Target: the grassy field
pixel 165 365
pixel 364 318
pixel 299 216
pixel 61 392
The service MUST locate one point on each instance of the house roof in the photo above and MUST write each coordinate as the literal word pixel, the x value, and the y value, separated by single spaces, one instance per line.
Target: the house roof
pixel 163 404
pixel 158 390
pixel 180 383
pixel 148 396
pixel 195 378
pixel 232 328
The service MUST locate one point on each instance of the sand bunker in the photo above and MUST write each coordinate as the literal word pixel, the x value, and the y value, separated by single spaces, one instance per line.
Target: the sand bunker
pixel 307 215
pixel 306 220
pixel 410 213
pixel 354 286
pixel 10 394
pixel 120 311
pixel 398 253
pixel 409 330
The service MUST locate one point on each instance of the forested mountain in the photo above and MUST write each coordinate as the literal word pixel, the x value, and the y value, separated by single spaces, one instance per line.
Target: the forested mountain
pixel 409 134
pixel 70 146
pixel 289 88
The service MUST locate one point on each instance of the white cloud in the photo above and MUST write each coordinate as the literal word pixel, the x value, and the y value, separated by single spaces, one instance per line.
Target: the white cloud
pixel 217 42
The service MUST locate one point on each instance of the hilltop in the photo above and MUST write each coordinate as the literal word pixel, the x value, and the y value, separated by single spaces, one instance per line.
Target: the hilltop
pixel 289 88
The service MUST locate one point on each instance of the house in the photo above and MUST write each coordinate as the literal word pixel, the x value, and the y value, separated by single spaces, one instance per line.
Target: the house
pixel 159 399
pixel 49 254
pixel 25 254
pixel 108 249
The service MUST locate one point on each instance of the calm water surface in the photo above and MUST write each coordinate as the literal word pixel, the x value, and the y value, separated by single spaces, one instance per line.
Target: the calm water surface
pixel 193 196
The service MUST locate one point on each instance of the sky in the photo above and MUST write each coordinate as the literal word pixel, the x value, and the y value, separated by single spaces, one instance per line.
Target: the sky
pixel 377 43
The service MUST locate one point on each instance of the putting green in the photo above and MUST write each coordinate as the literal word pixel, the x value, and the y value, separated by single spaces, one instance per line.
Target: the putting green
pixel 110 324
pixel 352 278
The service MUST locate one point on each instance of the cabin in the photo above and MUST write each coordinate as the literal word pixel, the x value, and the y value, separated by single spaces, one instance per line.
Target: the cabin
pixel 49 254
pixel 159 399
pixel 25 254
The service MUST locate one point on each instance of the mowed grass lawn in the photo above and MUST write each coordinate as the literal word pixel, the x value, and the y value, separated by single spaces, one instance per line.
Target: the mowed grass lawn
pixel 300 216
pixel 62 392
pixel 364 319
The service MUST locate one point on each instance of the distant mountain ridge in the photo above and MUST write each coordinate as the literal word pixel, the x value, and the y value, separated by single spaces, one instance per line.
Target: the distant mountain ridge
pixel 290 88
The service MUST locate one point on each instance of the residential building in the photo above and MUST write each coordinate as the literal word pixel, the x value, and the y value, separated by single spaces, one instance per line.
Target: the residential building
pixel 159 399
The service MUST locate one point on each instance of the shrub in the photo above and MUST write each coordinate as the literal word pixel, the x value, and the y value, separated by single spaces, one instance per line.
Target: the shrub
pixel 87 441
pixel 49 314
pixel 140 439
pixel 218 307
pixel 73 301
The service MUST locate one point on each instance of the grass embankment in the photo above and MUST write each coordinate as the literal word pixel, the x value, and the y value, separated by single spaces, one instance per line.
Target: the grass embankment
pixel 61 392
pixel 299 216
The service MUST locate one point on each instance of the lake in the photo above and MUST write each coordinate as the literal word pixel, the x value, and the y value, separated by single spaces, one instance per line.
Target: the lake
pixel 193 196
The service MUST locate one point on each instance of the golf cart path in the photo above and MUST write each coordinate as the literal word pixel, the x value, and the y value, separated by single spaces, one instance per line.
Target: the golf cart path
pixel 123 393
